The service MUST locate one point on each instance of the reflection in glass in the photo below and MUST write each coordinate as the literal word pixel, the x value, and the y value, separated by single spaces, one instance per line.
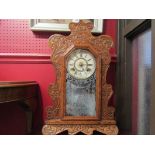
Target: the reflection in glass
pixel 141 52
pixel 80 99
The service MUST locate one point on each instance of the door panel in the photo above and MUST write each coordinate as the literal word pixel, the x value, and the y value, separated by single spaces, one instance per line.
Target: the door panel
pixel 135 77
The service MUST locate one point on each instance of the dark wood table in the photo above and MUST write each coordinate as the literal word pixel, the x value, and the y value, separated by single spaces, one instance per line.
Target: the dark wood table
pixel 26 93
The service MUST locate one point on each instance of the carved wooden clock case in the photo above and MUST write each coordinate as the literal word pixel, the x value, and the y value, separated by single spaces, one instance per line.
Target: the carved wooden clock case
pixel 80 93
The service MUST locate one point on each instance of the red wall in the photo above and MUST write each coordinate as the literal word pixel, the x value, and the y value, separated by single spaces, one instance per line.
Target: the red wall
pixel 16 38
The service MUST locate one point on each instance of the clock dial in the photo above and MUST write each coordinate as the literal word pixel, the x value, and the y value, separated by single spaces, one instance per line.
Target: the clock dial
pixel 81 64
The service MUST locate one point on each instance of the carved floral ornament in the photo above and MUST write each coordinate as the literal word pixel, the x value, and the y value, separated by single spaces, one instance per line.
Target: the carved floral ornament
pixel 80 37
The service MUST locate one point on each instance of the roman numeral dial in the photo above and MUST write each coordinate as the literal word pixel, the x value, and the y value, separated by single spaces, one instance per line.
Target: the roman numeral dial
pixel 81 64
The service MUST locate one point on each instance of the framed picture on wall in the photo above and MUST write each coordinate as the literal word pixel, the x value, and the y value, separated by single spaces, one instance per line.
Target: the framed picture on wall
pixel 62 25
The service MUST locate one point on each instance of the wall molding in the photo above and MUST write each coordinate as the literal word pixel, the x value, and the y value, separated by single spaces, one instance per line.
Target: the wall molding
pixel 24 58
pixel 30 58
pixel 114 58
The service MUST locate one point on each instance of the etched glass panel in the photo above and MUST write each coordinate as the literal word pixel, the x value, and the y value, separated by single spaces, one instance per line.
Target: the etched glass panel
pixel 141 50
pixel 81 84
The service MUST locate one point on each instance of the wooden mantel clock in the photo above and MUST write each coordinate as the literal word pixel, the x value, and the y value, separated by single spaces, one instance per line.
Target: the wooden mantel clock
pixel 80 93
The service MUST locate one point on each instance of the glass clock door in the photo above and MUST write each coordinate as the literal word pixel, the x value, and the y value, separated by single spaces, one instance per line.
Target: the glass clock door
pixel 81 84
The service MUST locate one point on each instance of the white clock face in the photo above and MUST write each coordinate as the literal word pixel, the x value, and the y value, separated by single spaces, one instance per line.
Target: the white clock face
pixel 81 64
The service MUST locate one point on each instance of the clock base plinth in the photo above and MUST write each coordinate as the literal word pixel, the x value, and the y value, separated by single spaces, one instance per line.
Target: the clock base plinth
pixel 74 129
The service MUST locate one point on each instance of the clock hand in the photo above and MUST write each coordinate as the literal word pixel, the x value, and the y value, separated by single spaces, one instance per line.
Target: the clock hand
pixel 82 69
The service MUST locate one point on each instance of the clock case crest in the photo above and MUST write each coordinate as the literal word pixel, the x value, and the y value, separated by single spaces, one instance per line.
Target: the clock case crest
pixel 62 46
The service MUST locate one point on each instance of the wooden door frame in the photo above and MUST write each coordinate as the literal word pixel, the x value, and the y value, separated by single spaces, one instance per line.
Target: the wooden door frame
pixel 127 29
